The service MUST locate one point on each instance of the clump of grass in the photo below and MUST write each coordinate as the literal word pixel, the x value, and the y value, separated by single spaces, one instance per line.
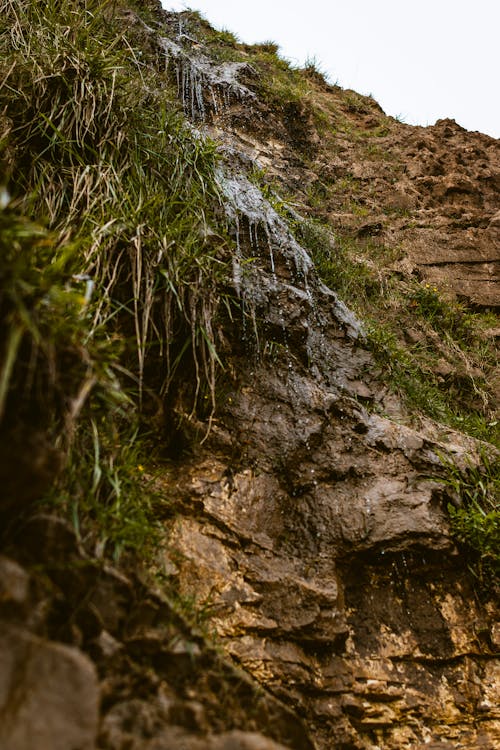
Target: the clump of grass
pixel 443 315
pixel 112 252
pixel 410 373
pixel 93 145
pixel 279 83
pixel 357 103
pixel 475 515
pixel 107 490
pixel 354 280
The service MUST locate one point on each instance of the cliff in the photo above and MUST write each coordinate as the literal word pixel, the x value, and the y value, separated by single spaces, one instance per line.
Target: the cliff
pixel 249 400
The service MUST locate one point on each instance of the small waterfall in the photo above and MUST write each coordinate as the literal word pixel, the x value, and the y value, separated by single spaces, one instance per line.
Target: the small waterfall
pixel 202 85
pixel 276 267
pixel 245 199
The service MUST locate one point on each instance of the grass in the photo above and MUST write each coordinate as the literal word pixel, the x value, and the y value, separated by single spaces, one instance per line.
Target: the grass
pixel 113 250
pixel 356 270
pixel 475 515
pixel 107 491
pixel 410 372
pixel 279 83
pixel 90 150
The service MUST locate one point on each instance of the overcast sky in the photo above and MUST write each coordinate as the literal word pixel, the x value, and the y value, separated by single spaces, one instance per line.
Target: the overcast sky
pixel 422 60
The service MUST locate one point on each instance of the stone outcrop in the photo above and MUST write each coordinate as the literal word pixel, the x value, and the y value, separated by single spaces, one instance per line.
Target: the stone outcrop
pixel 49 695
pixel 94 659
pixel 315 533
pixel 313 524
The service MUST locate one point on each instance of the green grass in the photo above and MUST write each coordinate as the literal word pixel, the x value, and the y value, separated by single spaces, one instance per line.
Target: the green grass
pixel 94 147
pixel 475 515
pixel 409 371
pixel 107 489
pixel 113 249
pixel 355 269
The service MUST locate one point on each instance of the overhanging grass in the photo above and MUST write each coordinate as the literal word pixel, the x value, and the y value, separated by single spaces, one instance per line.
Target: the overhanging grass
pixel 113 250
pixel 93 145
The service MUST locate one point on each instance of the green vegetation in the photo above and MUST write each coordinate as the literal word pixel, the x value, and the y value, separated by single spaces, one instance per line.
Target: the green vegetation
pixel 106 491
pixel 447 331
pixel 475 516
pixel 411 371
pixel 112 252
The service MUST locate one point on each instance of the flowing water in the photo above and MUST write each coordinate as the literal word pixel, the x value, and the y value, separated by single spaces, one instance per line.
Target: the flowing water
pixel 203 85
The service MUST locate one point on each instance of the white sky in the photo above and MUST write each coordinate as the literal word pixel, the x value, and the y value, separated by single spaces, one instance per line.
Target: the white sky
pixel 422 60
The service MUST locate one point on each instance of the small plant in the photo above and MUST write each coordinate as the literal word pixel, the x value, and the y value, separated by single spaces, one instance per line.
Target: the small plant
pixel 106 489
pixel 444 316
pixel 314 71
pixel 475 515
pixel 356 102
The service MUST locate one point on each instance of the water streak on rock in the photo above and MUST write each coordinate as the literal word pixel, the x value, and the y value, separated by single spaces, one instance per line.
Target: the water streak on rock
pixel 202 85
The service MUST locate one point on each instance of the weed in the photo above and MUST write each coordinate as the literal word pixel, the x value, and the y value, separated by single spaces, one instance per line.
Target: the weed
pixel 112 251
pixel 475 514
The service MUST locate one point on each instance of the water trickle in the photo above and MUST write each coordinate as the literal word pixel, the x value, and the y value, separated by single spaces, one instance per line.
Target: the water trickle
pixel 201 83
pixel 280 287
pixel 245 199
pixel 237 258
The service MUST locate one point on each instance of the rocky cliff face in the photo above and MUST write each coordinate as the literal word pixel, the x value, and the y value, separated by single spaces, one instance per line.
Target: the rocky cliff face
pixel 311 523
